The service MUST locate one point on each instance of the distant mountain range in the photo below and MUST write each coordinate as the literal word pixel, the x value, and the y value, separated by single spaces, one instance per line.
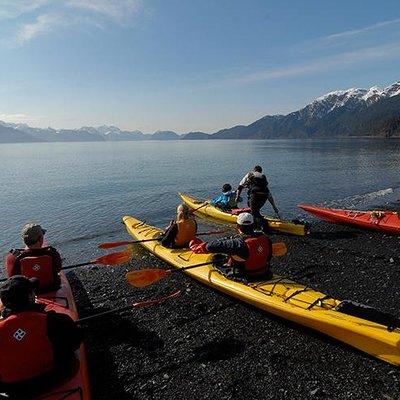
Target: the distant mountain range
pixel 351 112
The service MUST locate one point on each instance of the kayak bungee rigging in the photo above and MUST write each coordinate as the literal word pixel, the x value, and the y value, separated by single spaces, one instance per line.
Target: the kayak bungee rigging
pixel 204 208
pixel 362 327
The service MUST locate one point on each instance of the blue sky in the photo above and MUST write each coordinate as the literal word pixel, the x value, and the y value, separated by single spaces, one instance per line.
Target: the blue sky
pixel 194 65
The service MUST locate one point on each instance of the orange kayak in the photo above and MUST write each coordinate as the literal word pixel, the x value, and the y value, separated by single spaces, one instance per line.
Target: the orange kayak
pixel 384 221
pixel 75 387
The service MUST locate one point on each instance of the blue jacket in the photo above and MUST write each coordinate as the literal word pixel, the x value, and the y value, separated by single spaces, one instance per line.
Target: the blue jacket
pixel 226 199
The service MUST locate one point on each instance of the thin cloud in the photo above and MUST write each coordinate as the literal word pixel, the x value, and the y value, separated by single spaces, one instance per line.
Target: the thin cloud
pixel 357 32
pixel 10 9
pixel 64 13
pixel 116 10
pixel 376 53
pixel 44 24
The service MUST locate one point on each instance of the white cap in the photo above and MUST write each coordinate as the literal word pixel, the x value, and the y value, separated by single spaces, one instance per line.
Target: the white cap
pixel 245 219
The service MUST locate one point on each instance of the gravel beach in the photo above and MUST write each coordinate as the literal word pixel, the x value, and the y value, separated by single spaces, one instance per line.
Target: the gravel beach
pixel 204 345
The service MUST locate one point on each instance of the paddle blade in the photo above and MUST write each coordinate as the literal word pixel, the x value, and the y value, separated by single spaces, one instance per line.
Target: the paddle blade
pixel 146 277
pixel 120 257
pixel 110 245
pixel 279 249
pixel 148 303
pixel 219 232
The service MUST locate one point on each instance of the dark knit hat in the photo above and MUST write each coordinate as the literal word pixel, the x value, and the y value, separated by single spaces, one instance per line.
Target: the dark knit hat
pixel 15 292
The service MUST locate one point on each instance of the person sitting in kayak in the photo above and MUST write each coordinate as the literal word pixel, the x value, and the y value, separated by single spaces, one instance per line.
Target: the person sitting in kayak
pixel 181 231
pixel 35 345
pixel 249 252
pixel 36 260
pixel 226 201
pixel 257 194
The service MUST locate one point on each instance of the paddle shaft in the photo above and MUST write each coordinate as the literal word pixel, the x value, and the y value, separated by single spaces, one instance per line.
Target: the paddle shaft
pixel 102 314
pixel 206 203
pixel 190 267
pixel 64 268
pixel 78 265
pixel 123 243
pixel 140 304
pixel 109 258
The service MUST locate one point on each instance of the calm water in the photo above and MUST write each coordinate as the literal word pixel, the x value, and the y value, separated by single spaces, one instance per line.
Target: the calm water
pixel 79 191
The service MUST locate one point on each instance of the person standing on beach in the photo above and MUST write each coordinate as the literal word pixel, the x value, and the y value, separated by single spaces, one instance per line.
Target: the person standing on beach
pixel 35 260
pixel 257 195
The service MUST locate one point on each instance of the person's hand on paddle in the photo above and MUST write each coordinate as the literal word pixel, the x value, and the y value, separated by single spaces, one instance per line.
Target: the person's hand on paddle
pixel 198 246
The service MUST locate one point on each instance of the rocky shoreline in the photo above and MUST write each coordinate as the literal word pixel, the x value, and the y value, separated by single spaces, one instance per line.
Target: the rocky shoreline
pixel 204 345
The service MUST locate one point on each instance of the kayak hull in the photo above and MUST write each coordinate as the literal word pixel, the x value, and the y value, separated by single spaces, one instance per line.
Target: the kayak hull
pixel 383 221
pixel 281 297
pixel 203 208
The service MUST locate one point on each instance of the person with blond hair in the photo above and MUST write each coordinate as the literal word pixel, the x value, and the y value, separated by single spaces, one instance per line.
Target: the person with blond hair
pixel 180 231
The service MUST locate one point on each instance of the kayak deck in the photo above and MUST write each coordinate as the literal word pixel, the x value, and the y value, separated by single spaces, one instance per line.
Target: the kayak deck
pixel 75 387
pixel 282 297
pixel 384 221
pixel 203 208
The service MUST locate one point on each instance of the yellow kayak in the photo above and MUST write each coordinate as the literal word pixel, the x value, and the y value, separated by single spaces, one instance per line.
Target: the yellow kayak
pixel 203 208
pixel 282 297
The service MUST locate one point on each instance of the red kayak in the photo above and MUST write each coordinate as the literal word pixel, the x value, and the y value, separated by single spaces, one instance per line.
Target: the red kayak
pixel 384 221
pixel 76 387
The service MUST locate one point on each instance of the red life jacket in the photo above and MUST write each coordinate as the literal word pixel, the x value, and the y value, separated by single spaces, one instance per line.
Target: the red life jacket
pixel 26 351
pixel 260 253
pixel 37 263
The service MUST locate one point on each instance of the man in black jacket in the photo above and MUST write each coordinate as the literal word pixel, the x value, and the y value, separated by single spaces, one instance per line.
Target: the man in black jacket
pixel 257 195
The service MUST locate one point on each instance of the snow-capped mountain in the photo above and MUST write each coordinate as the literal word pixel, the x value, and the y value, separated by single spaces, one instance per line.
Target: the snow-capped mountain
pixel 25 133
pixel 351 112
pixel 350 99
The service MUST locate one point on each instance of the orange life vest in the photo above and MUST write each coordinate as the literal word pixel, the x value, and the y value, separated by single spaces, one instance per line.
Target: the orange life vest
pixel 186 232
pixel 260 253
pixel 26 351
pixel 36 263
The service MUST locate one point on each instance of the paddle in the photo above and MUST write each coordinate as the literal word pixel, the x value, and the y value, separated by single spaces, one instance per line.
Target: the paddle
pixel 141 304
pixel 117 258
pixel 110 245
pixel 149 276
pixel 120 257
pixel 206 203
